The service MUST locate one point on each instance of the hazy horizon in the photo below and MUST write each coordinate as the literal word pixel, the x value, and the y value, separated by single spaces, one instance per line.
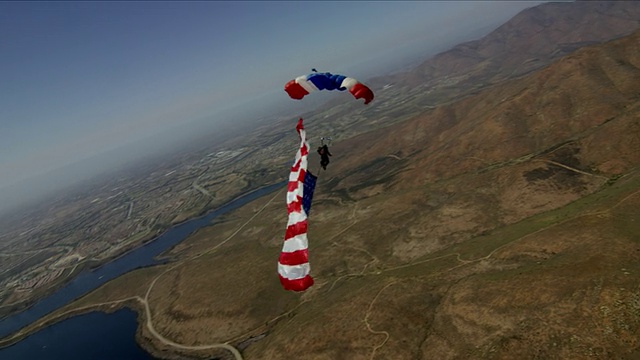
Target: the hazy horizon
pixel 85 80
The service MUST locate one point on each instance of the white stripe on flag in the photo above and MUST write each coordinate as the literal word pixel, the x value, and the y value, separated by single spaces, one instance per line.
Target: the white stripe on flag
pixel 296 217
pixel 293 272
pixel 298 242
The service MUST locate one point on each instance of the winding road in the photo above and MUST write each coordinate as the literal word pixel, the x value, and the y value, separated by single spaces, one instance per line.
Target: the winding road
pixel 147 308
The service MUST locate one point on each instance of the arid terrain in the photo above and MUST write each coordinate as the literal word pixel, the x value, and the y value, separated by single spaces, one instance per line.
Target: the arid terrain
pixel 497 221
pixel 459 234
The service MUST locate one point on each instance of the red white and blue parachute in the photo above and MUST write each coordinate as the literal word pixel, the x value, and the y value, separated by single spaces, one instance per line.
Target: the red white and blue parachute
pixel 293 264
pixel 305 84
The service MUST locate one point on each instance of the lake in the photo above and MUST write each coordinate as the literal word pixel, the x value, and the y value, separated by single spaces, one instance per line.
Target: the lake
pixel 94 336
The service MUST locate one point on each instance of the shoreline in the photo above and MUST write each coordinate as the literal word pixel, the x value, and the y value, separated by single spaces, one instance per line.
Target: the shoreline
pixel 87 265
pixel 146 341
pixel 149 343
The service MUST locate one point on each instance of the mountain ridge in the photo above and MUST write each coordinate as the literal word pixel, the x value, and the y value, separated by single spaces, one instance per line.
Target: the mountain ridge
pixel 528 41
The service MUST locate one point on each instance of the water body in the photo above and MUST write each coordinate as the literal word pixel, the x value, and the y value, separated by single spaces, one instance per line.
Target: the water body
pixel 141 257
pixel 94 336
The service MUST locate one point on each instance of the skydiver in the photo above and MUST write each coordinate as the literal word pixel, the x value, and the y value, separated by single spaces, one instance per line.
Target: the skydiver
pixel 324 155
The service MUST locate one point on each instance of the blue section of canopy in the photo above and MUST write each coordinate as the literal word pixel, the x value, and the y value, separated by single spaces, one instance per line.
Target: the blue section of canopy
pixel 327 81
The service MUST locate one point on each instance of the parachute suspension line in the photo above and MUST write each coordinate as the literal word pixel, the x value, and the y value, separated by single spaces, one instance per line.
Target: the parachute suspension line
pixel 322 140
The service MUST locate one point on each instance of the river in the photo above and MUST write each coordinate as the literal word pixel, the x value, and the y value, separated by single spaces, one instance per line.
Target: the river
pixel 90 280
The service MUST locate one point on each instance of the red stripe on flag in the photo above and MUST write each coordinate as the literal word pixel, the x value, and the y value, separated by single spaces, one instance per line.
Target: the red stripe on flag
pixel 295 229
pixel 297 257
pixel 292 185
pixel 297 284
pixel 301 175
pixel 296 166
pixel 295 206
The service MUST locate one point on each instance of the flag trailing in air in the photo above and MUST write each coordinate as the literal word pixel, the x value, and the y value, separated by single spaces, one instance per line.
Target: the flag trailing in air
pixel 293 264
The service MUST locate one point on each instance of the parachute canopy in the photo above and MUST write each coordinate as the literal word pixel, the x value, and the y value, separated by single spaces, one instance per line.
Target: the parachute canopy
pixel 304 84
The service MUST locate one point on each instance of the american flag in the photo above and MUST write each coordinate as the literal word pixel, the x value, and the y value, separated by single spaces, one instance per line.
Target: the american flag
pixel 293 264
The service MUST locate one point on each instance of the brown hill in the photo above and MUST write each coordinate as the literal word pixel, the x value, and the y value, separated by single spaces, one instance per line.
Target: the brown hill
pixel 569 126
pixel 530 40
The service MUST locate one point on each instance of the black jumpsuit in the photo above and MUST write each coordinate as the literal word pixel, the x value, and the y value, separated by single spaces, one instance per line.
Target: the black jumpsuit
pixel 324 156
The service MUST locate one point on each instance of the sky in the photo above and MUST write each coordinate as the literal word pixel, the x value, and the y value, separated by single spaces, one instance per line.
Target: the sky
pixel 78 79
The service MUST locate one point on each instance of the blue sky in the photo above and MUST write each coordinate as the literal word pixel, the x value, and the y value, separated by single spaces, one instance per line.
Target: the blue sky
pixel 80 78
